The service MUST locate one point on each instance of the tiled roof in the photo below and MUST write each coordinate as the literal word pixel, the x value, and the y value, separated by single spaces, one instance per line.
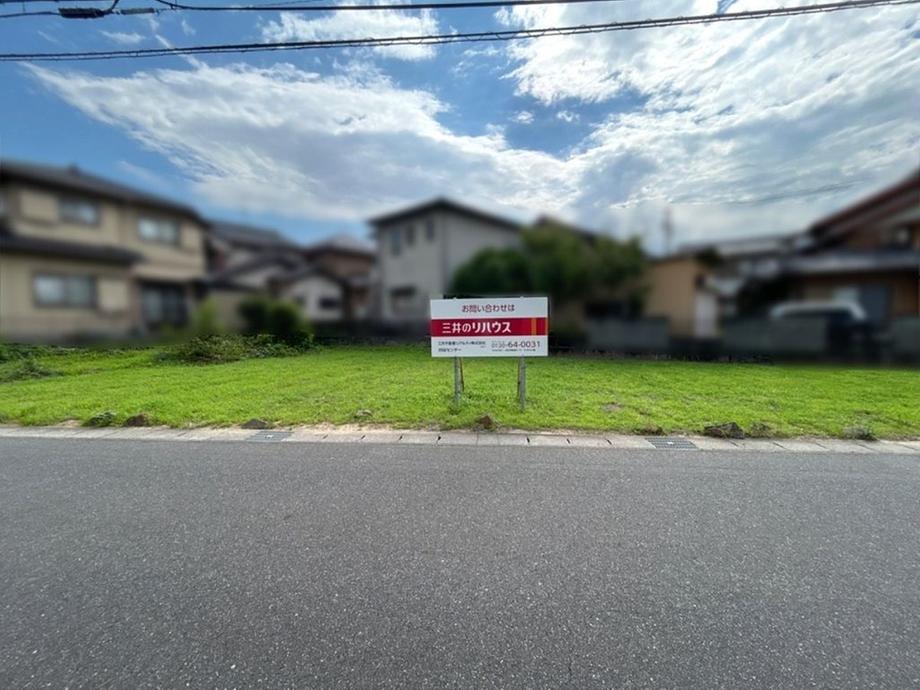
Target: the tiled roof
pixel 249 235
pixel 73 179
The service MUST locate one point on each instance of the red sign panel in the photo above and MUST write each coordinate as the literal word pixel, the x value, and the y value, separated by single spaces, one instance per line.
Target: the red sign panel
pixel 443 328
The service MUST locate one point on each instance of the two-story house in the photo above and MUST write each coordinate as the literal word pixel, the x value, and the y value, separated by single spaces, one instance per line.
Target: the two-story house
pixel 420 248
pixel 82 256
pixel 868 253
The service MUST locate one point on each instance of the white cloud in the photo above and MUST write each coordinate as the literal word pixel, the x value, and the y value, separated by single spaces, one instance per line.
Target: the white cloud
pixel 716 117
pixel 123 39
pixel 724 123
pixel 367 24
pixel 286 141
pixel 524 117
pixel 48 37
pixel 142 173
pixel 567 116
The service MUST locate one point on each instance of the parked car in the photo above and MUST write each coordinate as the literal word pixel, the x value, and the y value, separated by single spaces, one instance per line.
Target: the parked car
pixel 850 332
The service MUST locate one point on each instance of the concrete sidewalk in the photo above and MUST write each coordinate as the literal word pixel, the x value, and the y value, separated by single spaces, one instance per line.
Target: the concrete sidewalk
pixel 467 438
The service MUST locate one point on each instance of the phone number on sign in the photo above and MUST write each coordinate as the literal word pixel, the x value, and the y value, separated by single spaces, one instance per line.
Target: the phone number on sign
pixel 516 345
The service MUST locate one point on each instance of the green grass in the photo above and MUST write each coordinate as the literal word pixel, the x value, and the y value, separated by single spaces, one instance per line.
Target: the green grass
pixel 404 387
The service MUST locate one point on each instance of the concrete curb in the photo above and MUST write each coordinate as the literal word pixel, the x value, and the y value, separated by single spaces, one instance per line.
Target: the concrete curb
pixel 463 438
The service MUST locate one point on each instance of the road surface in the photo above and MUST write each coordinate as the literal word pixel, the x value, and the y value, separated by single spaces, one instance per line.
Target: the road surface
pixel 161 564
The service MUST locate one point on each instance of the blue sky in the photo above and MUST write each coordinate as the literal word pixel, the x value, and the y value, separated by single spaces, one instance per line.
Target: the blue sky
pixel 740 128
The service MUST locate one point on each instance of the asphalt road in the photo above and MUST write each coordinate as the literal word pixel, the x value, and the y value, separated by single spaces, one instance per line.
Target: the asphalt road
pixel 136 564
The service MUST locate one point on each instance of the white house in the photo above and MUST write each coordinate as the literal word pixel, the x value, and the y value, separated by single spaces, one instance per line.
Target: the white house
pixel 318 292
pixel 420 248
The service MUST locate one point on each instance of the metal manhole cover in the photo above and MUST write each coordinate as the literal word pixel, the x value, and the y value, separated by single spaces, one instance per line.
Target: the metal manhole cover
pixel 269 436
pixel 671 442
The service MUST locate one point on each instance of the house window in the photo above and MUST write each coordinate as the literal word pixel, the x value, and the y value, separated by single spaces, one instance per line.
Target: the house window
pixel 330 303
pixel 79 211
pixel 410 235
pixel 402 301
pixel 163 304
pixel 158 230
pixel 64 291
pixel 429 229
pixel 395 241
pixel 900 238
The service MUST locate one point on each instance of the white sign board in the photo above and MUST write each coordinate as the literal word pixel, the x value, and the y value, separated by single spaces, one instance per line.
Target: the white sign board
pixel 496 327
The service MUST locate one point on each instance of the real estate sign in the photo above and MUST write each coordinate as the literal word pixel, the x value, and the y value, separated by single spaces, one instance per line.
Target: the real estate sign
pixel 499 327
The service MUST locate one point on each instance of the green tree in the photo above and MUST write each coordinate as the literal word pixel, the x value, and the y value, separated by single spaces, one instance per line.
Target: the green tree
pixel 553 260
pixel 559 263
pixel 493 271
pixel 618 265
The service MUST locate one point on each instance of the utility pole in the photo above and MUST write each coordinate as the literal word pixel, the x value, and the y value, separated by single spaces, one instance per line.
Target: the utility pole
pixel 667 230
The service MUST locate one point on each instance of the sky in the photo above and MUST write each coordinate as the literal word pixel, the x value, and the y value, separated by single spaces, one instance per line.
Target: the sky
pixel 739 128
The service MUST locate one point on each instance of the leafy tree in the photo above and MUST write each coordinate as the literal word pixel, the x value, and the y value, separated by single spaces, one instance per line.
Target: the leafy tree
pixel 494 271
pixel 554 261
pixel 618 265
pixel 559 263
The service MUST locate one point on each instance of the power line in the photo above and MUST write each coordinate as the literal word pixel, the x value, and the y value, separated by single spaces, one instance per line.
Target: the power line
pixel 469 37
pixel 87 12
pixel 78 12
pixel 293 6
pixel 450 5
pixel 42 13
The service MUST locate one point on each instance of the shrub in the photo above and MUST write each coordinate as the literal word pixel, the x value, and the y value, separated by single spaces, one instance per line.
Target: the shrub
pixel 26 368
pixel 209 350
pixel 859 432
pixel 106 418
pixel 228 348
pixel 205 321
pixel 254 312
pixel 281 320
pixel 10 352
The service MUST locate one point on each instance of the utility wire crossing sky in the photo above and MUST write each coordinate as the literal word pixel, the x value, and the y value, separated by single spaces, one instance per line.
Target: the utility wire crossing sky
pixel 438 39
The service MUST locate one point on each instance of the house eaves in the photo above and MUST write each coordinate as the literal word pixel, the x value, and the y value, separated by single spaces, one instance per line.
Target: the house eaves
pixel 37 246
pixel 444 204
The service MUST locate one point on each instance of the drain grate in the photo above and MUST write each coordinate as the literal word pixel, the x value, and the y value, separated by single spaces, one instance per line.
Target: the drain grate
pixel 671 443
pixel 269 436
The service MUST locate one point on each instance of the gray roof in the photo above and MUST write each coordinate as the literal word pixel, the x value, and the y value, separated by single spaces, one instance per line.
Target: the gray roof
pixel 444 204
pixel 285 262
pixel 248 235
pixel 72 179
pixel 743 246
pixel 344 243
pixel 305 271
pixel 845 261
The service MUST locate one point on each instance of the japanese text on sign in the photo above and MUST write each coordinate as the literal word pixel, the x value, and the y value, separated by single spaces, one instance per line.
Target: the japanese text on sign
pixel 495 327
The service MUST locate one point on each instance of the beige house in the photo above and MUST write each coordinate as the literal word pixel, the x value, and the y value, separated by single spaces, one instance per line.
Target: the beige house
pixel 81 256
pixel 679 291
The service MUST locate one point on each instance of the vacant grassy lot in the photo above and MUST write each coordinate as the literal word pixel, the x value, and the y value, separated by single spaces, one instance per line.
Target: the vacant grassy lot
pixel 404 387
